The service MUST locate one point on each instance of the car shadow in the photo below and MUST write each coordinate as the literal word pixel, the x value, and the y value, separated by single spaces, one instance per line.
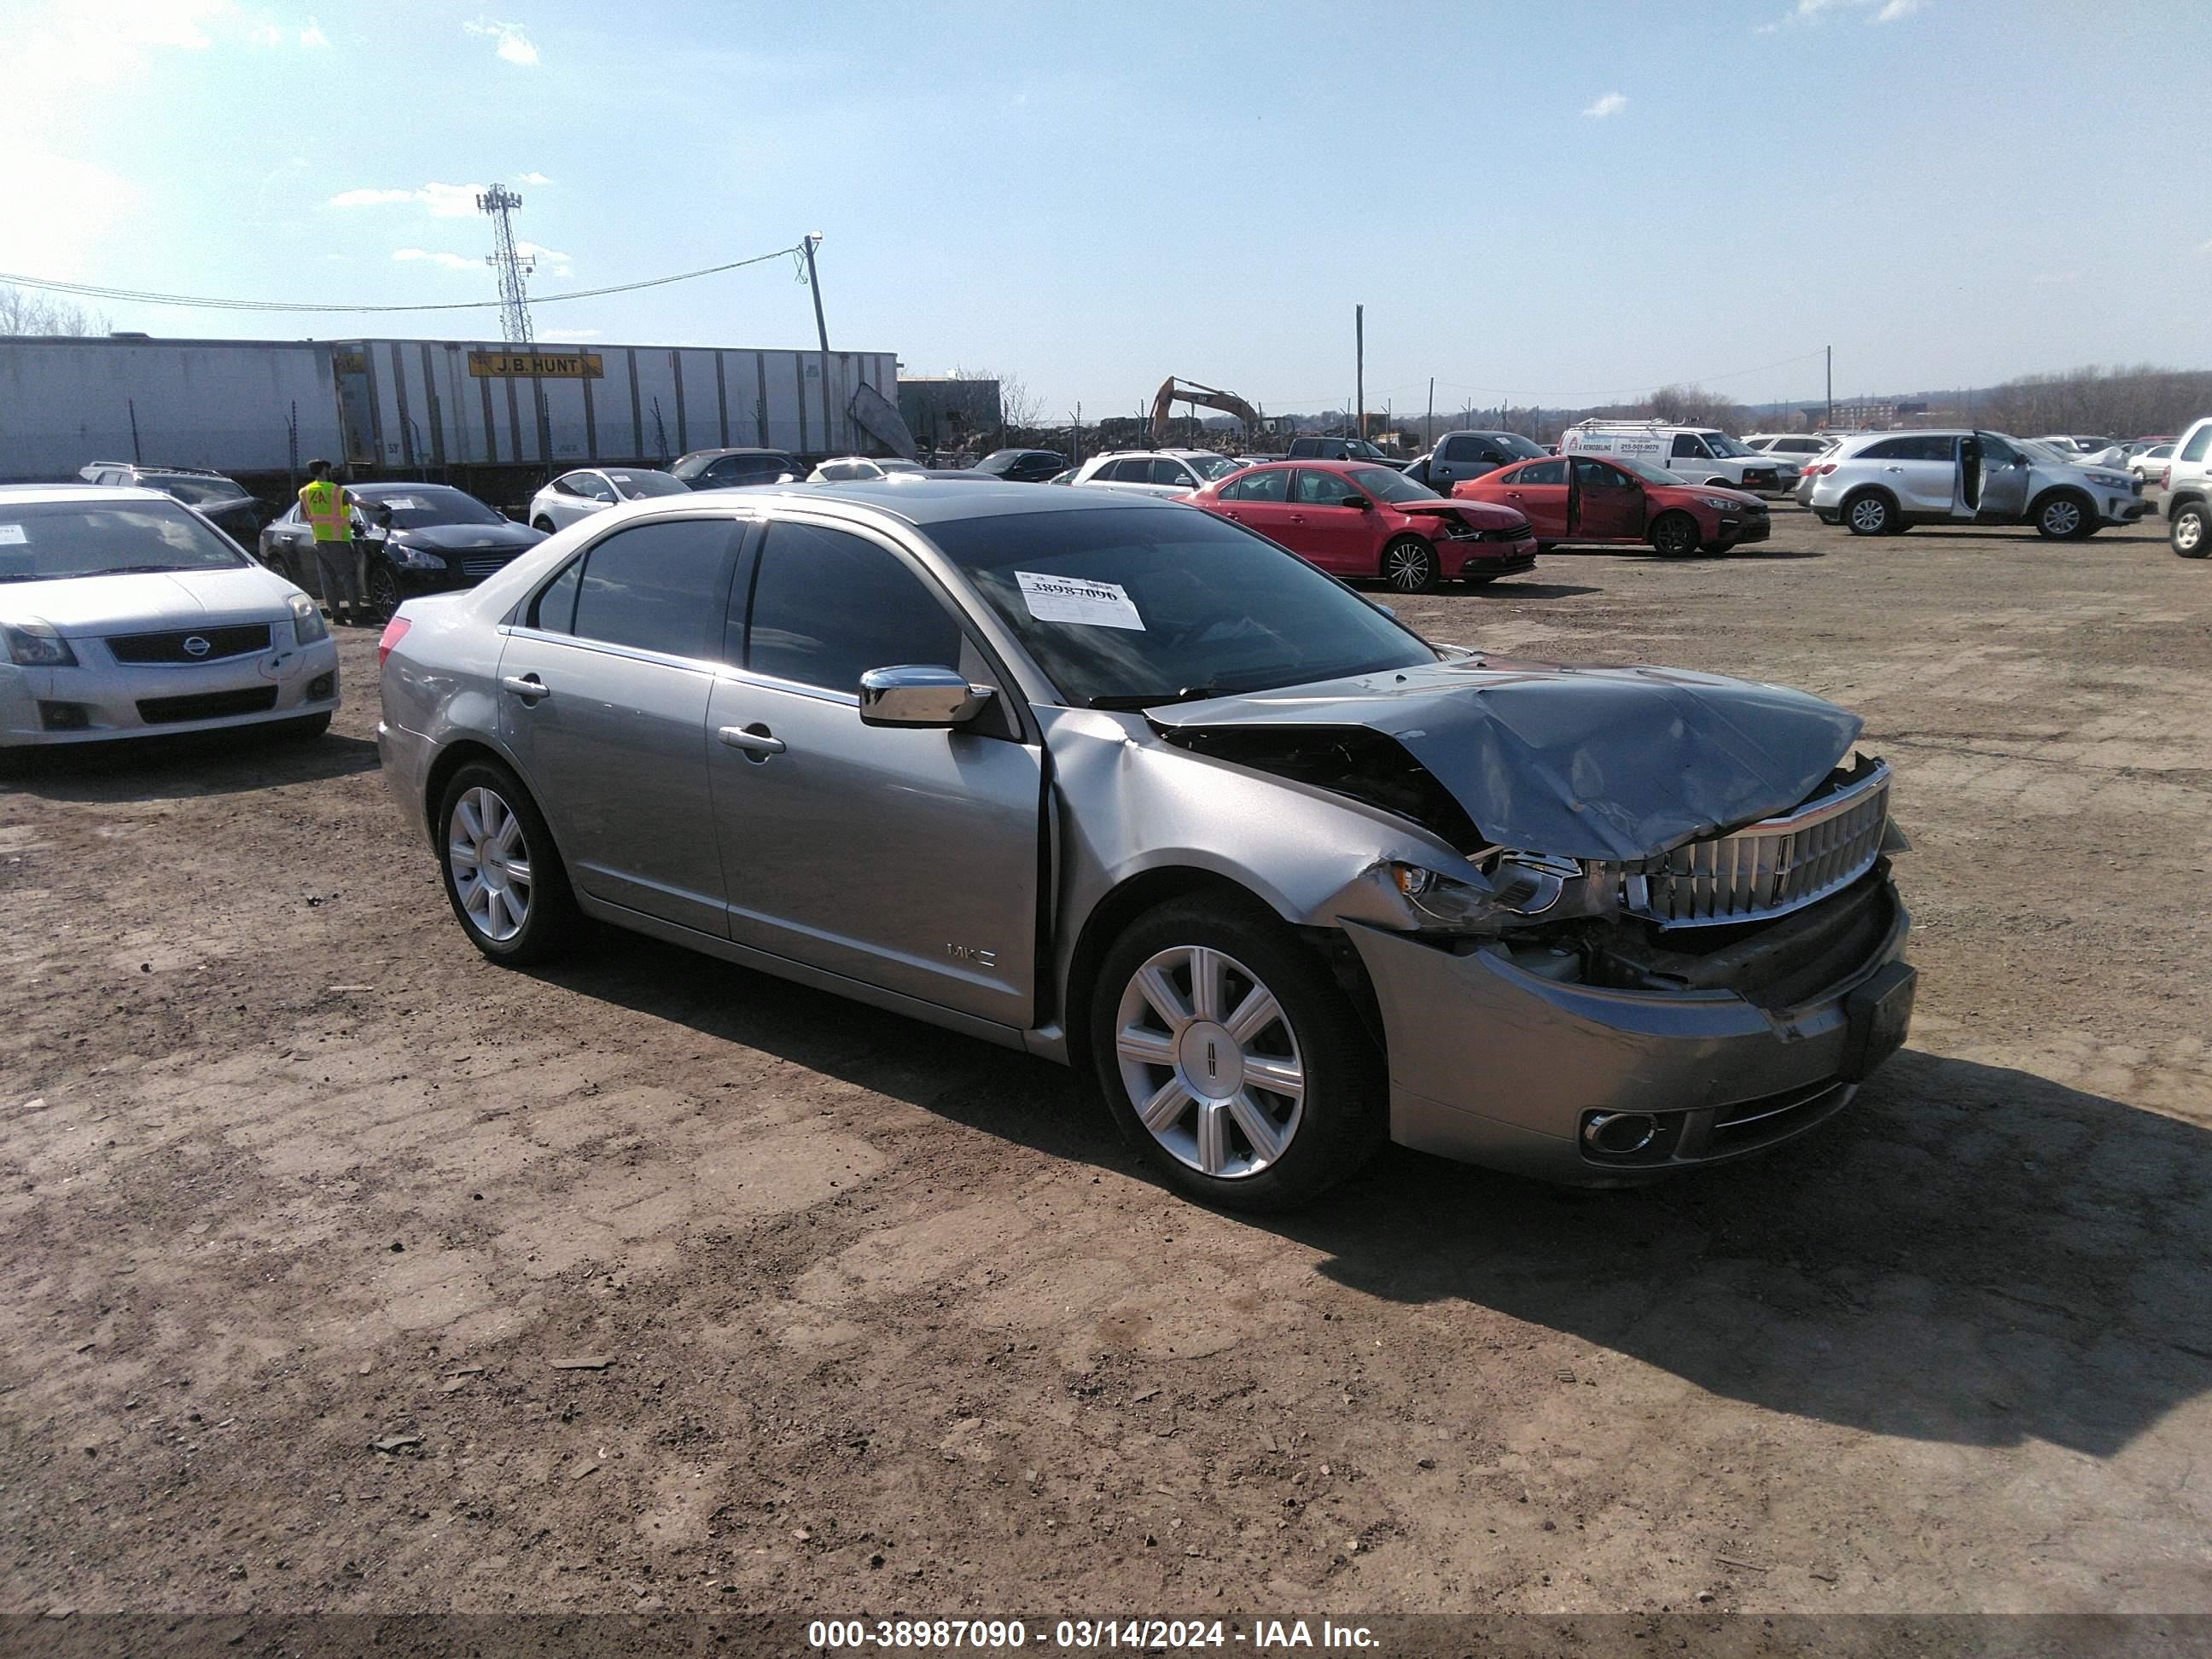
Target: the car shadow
pixel 1506 587
pixel 1970 1254
pixel 189 764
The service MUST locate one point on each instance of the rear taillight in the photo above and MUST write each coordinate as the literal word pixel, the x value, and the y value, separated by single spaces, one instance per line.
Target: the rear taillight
pixel 394 631
pixel 1822 470
pixel 2165 477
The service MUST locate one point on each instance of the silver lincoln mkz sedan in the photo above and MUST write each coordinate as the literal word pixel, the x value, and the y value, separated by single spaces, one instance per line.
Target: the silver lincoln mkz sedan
pixel 1117 782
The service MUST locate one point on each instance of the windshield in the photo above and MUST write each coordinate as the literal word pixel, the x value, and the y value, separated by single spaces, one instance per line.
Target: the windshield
pixel 195 492
pixel 1125 608
pixel 49 541
pixel 1210 467
pixel 1518 448
pixel 1645 471
pixel 893 464
pixel 636 486
pixel 1391 486
pixel 1720 444
pixel 417 507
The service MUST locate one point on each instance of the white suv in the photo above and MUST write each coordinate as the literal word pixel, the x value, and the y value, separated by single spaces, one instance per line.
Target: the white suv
pixel 1882 483
pixel 1156 471
pixel 2188 487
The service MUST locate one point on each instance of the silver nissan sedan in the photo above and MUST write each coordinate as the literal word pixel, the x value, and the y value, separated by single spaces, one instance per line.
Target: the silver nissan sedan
pixel 1124 785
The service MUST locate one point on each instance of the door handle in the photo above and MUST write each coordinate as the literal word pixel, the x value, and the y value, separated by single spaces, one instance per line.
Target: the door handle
pixel 1893 469
pixel 528 687
pixel 753 739
pixel 1297 518
pixel 1515 494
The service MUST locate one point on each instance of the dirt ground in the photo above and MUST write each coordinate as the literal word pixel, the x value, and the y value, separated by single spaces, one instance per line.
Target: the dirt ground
pixel 307 1210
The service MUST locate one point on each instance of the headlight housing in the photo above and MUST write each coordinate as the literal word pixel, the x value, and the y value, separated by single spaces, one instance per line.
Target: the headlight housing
pixel 412 558
pixel 1522 888
pixel 35 644
pixel 308 623
pixel 2111 481
pixel 1721 504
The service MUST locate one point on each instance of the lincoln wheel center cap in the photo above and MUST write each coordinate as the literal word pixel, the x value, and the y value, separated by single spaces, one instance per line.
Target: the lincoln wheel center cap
pixel 1211 1061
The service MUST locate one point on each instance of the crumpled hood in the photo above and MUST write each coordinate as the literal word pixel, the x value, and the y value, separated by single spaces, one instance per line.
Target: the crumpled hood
pixel 470 537
pixel 1616 763
pixel 1485 515
pixel 151 601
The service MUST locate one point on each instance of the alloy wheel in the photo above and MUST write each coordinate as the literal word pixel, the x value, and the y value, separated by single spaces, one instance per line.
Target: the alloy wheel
pixel 2188 533
pixel 1870 516
pixel 383 593
pixel 1405 567
pixel 1211 1064
pixel 490 863
pixel 2062 518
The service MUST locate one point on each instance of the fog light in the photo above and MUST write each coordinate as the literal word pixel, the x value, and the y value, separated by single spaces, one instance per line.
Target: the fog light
pixel 321 687
pixel 1619 1134
pixel 63 716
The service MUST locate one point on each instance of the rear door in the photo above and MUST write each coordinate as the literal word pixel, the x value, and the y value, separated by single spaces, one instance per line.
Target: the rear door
pixel 1538 488
pixel 905 860
pixel 603 701
pixel 1260 500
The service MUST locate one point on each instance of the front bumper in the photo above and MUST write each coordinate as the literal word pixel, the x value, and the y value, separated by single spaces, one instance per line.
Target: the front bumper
pixel 1494 1066
pixel 2118 509
pixel 98 701
pixel 1738 532
pixel 1490 559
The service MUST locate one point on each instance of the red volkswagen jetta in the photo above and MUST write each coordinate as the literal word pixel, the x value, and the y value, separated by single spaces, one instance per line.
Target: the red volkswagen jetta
pixel 1355 520
pixel 1612 499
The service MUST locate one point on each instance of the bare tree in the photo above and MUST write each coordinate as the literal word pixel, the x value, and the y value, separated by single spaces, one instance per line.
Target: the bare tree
pixel 1017 405
pixel 1692 405
pixel 2117 402
pixel 33 312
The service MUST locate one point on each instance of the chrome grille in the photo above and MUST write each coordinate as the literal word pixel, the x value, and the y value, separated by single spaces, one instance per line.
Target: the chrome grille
pixel 1767 869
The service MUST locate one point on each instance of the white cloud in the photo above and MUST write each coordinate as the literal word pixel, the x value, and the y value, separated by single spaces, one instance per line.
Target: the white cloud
pixel 514 46
pixel 447 261
pixel 1612 104
pixel 572 333
pixel 450 201
pixel 1813 12
pixel 549 261
pixel 1893 9
pixel 369 197
pixel 265 33
pixel 533 178
pixel 313 35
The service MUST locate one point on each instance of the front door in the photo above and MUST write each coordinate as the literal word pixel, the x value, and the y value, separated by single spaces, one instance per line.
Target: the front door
pixel 2003 493
pixel 603 701
pixel 1608 502
pixel 1259 500
pixel 904 859
pixel 1538 490
pixel 1340 539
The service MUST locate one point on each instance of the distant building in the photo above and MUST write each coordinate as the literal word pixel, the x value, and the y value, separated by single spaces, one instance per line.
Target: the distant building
pixel 944 412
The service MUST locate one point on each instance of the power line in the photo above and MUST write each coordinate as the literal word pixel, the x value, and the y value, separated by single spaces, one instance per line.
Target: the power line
pixel 202 302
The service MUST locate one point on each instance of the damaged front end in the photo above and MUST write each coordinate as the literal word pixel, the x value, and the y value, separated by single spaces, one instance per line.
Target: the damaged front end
pixel 1601 1019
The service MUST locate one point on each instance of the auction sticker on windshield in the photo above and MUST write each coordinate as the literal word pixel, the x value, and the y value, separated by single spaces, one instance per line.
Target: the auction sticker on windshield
pixel 11 535
pixel 1071 599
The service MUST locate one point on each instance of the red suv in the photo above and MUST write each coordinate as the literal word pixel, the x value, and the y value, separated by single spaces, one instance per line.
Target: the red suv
pixel 1355 520
pixel 1614 498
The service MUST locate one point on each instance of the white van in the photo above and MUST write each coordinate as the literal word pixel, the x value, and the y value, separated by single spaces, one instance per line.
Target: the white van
pixel 1696 454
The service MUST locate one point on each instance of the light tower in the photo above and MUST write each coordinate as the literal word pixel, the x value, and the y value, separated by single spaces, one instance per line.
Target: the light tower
pixel 501 202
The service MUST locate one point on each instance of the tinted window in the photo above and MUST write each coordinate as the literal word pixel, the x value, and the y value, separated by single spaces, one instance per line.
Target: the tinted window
pixel 1597 475
pixel 1165 472
pixel 1135 472
pixel 1889 449
pixel 635 486
pixel 1916 447
pixel 1391 484
pixel 2193 448
pixel 1685 444
pixel 1460 449
pixel 829 606
pixel 658 588
pixel 1268 485
pixel 1543 472
pixel 1321 489
pixel 555 610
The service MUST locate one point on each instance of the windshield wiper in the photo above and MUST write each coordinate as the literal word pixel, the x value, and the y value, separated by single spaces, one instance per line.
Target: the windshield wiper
pixel 1156 699
pixel 133 570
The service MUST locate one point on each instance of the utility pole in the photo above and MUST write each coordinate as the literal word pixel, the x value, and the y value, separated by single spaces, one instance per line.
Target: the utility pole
pixel 1429 421
pixel 1359 370
pixel 513 267
pixel 822 331
pixel 1832 385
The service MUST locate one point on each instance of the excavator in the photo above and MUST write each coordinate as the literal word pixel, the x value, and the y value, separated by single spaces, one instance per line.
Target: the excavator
pixel 1175 391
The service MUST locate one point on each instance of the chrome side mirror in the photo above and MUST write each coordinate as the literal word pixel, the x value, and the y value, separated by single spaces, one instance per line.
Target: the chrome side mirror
pixel 922 695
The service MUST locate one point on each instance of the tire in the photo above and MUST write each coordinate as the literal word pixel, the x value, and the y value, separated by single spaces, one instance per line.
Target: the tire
pixel 381 593
pixel 541 522
pixel 1268 1149
pixel 2185 535
pixel 1409 565
pixel 1871 512
pixel 495 799
pixel 2064 516
pixel 1676 535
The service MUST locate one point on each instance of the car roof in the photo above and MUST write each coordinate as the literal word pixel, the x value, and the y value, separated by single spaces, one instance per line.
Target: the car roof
pixel 389 487
pixel 77 492
pixel 924 502
pixel 733 449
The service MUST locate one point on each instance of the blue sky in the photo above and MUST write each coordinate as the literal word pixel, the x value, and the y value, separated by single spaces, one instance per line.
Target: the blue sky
pixel 1555 203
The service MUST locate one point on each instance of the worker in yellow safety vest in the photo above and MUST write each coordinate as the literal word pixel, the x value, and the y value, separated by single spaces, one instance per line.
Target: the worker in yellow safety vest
pixel 329 512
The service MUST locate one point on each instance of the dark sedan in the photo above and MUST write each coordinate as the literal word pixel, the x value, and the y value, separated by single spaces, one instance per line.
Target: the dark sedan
pixel 735 469
pixel 221 501
pixel 417 538
pixel 1022 466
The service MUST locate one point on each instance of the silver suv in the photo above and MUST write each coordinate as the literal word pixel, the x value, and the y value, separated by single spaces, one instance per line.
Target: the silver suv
pixel 1881 483
pixel 2188 478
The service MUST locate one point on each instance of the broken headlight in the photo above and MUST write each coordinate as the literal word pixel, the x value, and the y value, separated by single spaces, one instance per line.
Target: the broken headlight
pixel 1519 888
